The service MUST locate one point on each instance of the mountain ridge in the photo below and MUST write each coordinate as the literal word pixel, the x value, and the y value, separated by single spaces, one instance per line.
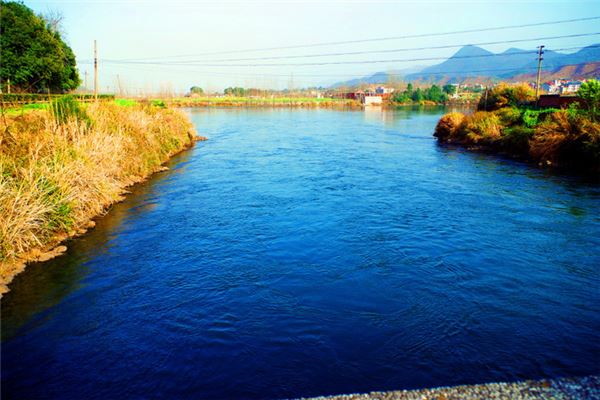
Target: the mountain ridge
pixel 472 61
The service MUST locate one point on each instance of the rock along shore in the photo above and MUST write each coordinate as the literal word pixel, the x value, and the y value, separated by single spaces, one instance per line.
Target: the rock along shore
pixel 556 389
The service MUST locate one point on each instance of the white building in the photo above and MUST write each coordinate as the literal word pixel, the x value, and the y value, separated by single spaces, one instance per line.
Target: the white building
pixel 571 87
pixel 384 90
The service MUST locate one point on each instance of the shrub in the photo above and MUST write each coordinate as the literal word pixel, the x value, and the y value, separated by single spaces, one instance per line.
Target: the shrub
pixel 509 116
pixel 590 94
pixel 531 118
pixel 482 126
pixel 158 103
pixel 515 139
pixel 449 125
pixel 505 95
pixel 567 139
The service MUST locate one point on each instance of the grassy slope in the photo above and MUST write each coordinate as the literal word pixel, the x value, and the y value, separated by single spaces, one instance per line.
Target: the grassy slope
pixel 55 176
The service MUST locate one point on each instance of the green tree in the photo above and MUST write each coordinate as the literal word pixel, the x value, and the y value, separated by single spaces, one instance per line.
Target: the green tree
pixel 196 90
pixel 417 95
pixel 434 93
pixel 589 92
pixel 34 56
pixel 449 89
pixel 235 91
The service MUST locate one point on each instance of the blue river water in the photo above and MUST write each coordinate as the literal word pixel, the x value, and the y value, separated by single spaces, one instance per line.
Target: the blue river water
pixel 313 252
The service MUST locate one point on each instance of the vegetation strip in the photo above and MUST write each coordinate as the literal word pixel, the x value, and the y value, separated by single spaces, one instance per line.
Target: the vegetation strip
pixel 63 165
pixel 241 101
pixel 508 122
pixel 553 389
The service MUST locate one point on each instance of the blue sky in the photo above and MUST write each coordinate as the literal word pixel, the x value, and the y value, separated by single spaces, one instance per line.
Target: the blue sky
pixel 144 29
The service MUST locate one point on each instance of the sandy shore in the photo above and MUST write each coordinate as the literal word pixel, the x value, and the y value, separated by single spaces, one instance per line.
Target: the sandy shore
pixel 563 389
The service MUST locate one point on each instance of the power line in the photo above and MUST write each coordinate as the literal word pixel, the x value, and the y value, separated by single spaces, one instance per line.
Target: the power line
pixel 401 49
pixel 259 75
pixel 377 51
pixel 395 60
pixel 371 39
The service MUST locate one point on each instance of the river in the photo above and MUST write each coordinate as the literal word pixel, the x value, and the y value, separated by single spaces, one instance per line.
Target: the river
pixel 311 252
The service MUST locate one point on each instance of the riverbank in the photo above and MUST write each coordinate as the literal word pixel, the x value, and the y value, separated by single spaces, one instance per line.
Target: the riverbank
pixel 559 139
pixel 280 102
pixel 550 389
pixel 64 165
pixel 508 122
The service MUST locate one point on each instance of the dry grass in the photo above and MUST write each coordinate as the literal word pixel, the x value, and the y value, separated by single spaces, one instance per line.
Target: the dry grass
pixel 56 173
pixel 448 126
pixel 482 126
pixel 567 139
pixel 562 138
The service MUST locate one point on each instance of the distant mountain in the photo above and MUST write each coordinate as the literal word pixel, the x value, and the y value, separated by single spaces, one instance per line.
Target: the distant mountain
pixel 472 63
pixel 575 71
pixel 378 77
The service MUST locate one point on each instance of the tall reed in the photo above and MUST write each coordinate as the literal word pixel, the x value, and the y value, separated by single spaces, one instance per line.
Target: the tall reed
pixel 62 166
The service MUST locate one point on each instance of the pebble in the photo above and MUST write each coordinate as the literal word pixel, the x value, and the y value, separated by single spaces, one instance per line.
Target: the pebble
pixel 546 389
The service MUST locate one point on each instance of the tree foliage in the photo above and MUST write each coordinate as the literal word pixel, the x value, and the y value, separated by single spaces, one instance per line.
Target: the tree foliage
pixel 505 95
pixel 449 89
pixel 235 91
pixel 589 92
pixel 34 56
pixel 196 90
pixel 433 93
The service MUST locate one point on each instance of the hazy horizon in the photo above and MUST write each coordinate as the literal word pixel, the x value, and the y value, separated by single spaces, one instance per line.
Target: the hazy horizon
pixel 181 32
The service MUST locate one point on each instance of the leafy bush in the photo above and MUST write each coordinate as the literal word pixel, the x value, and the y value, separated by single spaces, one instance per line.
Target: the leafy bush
pixel 531 118
pixel 590 94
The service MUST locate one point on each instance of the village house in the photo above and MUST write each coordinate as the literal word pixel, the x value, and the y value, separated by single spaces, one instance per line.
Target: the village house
pixel 570 87
pixel 384 90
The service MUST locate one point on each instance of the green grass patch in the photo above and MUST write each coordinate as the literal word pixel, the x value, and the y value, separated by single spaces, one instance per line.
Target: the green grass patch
pixel 125 102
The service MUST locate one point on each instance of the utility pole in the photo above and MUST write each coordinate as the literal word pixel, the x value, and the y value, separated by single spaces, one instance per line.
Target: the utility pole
pixel 539 71
pixel 95 71
pixel 486 96
pixel 119 85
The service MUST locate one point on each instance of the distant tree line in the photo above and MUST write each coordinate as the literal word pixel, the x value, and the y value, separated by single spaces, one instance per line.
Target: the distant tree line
pixel 243 92
pixel 34 57
pixel 433 93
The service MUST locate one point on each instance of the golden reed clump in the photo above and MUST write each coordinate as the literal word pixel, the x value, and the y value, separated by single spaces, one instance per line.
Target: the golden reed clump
pixel 56 173
pixel 449 125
